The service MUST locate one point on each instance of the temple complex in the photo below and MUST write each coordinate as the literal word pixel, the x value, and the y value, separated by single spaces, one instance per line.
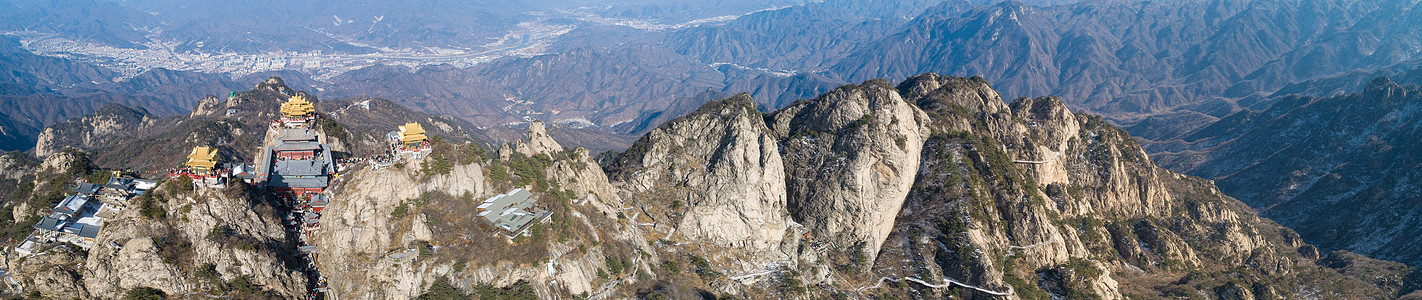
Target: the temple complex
pixel 296 164
pixel 203 168
pixel 512 211
pixel 409 139
pixel 79 217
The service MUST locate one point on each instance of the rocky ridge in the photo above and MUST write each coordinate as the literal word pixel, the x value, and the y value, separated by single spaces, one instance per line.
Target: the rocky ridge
pixel 932 188
pixel 1023 199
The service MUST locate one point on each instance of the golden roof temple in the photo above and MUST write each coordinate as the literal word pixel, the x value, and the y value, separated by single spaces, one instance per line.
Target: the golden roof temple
pixel 297 106
pixel 412 135
pixel 202 159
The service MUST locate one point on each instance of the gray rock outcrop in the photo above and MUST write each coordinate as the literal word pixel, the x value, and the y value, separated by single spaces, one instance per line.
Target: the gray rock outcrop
pixel 725 163
pixel 851 156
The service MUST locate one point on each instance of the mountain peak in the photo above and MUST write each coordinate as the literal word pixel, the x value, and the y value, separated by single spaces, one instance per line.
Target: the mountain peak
pixel 934 92
pixel 1381 83
pixel 115 108
pixel 275 84
pixel 742 100
pixel 539 142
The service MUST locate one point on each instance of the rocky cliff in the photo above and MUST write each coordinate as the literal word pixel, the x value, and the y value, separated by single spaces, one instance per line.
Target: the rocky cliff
pixel 851 155
pixel 233 235
pixel 117 136
pixel 937 188
pixel 110 123
pixel 931 188
pixel 714 176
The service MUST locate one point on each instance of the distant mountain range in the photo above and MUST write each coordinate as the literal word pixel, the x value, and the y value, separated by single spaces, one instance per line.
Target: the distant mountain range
pixel 1131 58
pixel 1341 170
pixel 1192 60
pixel 1102 56
pixel 101 21
pixel 635 80
pixel 37 91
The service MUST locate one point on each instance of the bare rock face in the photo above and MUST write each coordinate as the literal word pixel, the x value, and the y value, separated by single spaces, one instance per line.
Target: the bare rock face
pixel 465 179
pixel 724 161
pixel 1031 193
pixel 58 163
pixel 208 106
pixel 45 144
pixel 55 274
pixel 221 228
pixel 17 166
pixel 109 122
pixel 970 95
pixel 851 156
pixel 574 169
pixel 138 264
pixel 580 174
pixel 360 229
pixel 372 231
pixel 1048 120
pixel 538 141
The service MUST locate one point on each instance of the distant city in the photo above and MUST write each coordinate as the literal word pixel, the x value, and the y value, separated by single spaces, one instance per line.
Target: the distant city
pixel 528 39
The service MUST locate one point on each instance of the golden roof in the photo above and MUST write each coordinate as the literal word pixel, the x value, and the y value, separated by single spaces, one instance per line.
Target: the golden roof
pixel 297 106
pixel 412 132
pixel 202 157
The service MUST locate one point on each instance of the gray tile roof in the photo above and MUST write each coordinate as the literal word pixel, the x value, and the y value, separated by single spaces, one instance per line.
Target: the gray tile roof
pixel 48 223
pixel 297 134
pixel 70 227
pixel 118 183
pixel 85 188
pixel 511 211
pixel 320 200
pixel 244 171
pixel 72 204
pixel 84 230
pixel 298 168
pixel 297 182
pixel 298 146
